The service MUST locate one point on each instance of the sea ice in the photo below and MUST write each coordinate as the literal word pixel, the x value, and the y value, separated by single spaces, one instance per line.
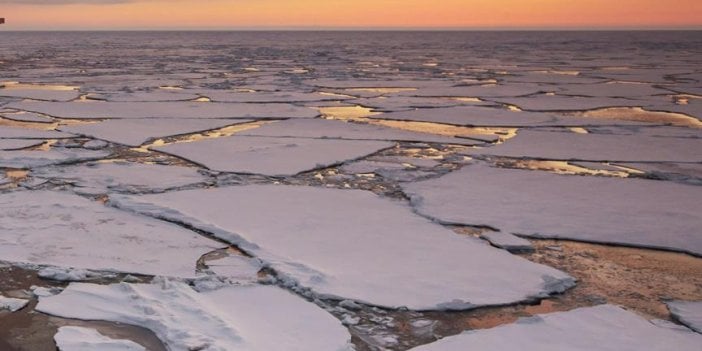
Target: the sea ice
pixel 55 156
pixel 568 103
pixel 597 147
pixel 688 313
pixel 611 90
pixel 176 109
pixel 12 132
pixel 242 318
pixel 11 304
pixel 58 229
pixel 135 132
pixel 27 117
pixel 333 129
pixel 481 91
pixel 507 241
pixel 600 328
pixel 352 244
pixel 86 339
pixel 237 267
pixel 270 155
pixel 40 94
pixel 17 144
pixel 545 205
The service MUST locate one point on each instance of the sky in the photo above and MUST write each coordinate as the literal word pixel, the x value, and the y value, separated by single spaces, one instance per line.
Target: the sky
pixel 342 14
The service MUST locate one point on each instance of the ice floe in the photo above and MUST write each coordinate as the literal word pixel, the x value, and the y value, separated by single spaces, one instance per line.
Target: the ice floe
pixel 12 304
pixel 54 156
pixel 271 155
pixel 86 339
pixel 332 129
pixel 597 147
pixel 540 204
pixel 37 92
pixel 58 229
pixel 100 178
pixel 12 132
pixel 17 144
pixel 243 318
pixel 568 103
pixel 178 109
pixel 135 132
pixel 688 313
pixel 351 244
pixel 600 328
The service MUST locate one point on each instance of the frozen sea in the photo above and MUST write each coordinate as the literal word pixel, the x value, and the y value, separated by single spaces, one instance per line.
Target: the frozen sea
pixel 363 191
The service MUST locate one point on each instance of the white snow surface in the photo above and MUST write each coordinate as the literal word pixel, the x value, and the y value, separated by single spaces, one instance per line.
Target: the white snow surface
pixel 688 313
pixel 135 132
pixel 541 204
pixel 175 109
pixel 332 129
pixel 597 147
pixel 40 158
pixel 63 230
pixel 236 267
pixel 600 328
pixel 352 244
pixel 270 155
pixel 12 304
pixel 100 178
pixel 242 318
pixel 86 339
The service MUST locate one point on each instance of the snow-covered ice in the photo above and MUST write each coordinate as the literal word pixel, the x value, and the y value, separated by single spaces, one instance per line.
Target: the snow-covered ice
pixel 86 339
pixel 271 155
pixel 176 109
pixel 351 244
pixel 12 304
pixel 100 178
pixel 569 103
pixel 600 328
pixel 58 229
pixel 597 147
pixel 242 318
pixel 135 132
pixel 541 204
pixel 13 132
pixel 54 156
pixel 17 144
pixel 688 313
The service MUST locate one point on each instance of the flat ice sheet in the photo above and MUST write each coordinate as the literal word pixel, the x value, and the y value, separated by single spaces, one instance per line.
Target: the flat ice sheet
pixel 569 103
pixel 269 97
pixel 492 117
pixel 12 304
pixel 333 129
pixel 16 144
pixel 86 339
pixel 600 328
pixel 177 109
pixel 53 228
pixel 597 147
pixel 40 94
pixel 40 158
pixel 135 132
pixel 100 178
pixel 242 318
pixel 269 155
pixel 688 313
pixel 351 244
pixel 12 132
pixel 634 212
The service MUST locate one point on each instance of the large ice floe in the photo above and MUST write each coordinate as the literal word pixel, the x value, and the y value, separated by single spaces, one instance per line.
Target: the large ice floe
pixel 53 228
pixel 271 156
pixel 331 129
pixel 17 144
pixel 351 244
pixel 688 313
pixel 54 156
pixel 597 147
pixel 177 109
pixel 135 132
pixel 242 318
pixel 13 132
pixel 636 212
pixel 100 178
pixel 600 328
pixel 86 339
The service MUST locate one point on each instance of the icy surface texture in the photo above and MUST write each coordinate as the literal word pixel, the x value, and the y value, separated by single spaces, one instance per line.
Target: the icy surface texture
pixel 688 313
pixel 85 339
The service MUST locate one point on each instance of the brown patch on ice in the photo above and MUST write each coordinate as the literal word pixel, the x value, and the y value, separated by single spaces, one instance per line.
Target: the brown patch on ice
pixel 638 114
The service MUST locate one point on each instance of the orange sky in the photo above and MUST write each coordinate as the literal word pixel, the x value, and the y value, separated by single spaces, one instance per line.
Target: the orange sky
pixel 221 14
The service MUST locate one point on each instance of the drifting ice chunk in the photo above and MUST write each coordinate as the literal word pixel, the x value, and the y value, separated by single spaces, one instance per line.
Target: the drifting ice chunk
pixel 85 339
pixel 540 204
pixel 597 147
pixel 11 132
pixel 36 158
pixel 601 328
pixel 13 305
pixel 271 156
pixel 242 318
pixel 568 103
pixel 27 117
pixel 331 129
pixel 177 109
pixel 17 144
pixel 352 244
pixel 52 228
pixel 688 313
pixel 100 178
pixel 135 132
pixel 27 92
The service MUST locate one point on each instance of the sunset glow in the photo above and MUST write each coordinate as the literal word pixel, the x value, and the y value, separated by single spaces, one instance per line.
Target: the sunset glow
pixel 256 14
